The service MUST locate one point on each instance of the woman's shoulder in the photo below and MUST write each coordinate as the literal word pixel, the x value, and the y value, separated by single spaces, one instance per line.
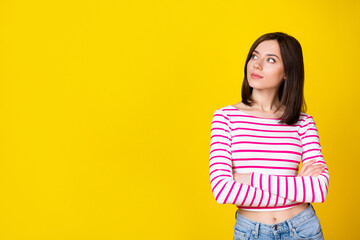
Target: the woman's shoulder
pixel 304 115
pixel 225 109
pixel 305 119
pixel 253 112
pixel 242 106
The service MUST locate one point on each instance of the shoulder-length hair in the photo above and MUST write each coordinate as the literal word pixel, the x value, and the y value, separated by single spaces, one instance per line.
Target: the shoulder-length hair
pixel 291 91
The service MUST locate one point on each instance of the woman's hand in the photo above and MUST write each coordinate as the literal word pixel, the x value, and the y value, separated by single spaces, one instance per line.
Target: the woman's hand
pixel 308 169
pixel 242 178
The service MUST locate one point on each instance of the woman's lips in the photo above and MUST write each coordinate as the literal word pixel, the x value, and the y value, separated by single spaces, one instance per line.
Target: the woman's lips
pixel 255 76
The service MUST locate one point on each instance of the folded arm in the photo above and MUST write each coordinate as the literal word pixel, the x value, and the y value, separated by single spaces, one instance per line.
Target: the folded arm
pixel 299 188
pixel 224 188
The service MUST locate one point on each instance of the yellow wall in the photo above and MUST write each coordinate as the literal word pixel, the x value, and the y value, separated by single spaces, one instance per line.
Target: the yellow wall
pixel 106 109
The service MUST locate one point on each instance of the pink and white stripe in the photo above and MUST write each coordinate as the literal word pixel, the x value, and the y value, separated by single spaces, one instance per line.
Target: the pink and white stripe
pixel 271 152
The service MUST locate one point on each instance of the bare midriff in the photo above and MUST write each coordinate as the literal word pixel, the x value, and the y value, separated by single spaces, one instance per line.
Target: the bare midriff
pixel 272 217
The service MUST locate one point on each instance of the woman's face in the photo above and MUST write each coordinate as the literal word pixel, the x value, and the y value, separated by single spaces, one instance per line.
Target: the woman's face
pixel 266 61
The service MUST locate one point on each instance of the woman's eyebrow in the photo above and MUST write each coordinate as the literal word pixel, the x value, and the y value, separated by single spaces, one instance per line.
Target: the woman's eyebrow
pixel 268 54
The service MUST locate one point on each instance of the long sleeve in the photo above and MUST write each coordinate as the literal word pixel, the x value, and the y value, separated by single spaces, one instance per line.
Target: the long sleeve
pixel 304 188
pixel 224 188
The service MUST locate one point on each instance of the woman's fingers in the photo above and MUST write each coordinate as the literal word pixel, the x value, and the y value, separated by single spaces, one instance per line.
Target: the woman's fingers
pixel 311 169
pixel 315 170
pixel 242 178
pixel 305 166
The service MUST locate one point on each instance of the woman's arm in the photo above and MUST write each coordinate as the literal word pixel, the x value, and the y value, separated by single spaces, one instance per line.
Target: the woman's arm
pixel 224 188
pixel 308 169
pixel 299 188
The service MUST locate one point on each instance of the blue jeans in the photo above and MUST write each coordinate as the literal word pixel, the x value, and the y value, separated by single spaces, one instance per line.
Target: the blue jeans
pixel 305 225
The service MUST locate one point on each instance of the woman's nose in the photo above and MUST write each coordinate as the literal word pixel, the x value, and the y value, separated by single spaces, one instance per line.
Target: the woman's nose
pixel 257 64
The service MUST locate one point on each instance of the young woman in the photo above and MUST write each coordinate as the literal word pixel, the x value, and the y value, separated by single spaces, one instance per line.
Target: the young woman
pixel 258 143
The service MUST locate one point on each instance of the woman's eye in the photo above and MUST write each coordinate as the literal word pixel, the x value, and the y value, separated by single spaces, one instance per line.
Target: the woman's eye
pixel 270 59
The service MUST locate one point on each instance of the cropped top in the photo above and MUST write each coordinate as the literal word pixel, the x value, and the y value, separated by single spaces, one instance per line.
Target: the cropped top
pixel 271 152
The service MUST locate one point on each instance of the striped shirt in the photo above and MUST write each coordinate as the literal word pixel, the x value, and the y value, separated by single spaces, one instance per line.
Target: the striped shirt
pixel 271 152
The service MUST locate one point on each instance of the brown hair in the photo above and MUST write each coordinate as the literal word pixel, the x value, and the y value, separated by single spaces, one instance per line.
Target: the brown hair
pixel 291 93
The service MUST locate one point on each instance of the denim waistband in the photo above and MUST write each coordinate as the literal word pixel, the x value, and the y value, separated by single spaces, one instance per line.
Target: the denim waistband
pixel 286 225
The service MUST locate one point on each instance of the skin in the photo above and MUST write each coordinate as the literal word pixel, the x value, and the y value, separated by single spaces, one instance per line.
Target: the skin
pixel 266 101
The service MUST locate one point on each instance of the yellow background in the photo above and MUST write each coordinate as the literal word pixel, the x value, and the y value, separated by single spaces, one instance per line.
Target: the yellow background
pixel 106 111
